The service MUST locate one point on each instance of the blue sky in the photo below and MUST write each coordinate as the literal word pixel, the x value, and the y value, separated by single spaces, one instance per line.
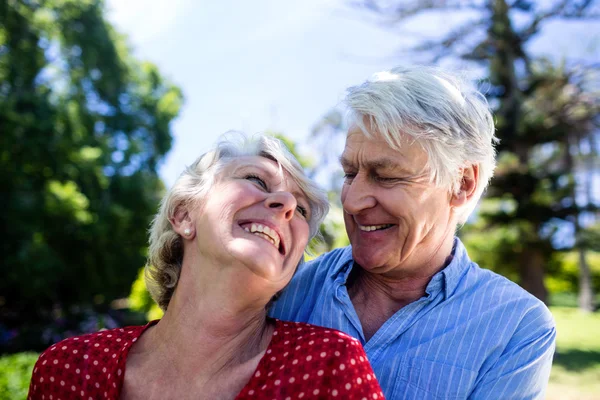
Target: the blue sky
pixel 272 64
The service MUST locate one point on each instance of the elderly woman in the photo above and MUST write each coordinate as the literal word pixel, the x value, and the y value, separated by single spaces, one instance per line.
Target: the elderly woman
pixel 228 237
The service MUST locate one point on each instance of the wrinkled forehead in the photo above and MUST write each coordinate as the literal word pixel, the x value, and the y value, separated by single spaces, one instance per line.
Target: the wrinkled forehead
pixel 374 152
pixel 403 143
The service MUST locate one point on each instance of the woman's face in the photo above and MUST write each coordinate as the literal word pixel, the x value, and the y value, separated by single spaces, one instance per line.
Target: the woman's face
pixel 256 217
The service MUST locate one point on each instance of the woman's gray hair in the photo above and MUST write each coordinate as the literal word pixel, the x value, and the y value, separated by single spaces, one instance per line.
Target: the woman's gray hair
pixel 445 114
pixel 166 246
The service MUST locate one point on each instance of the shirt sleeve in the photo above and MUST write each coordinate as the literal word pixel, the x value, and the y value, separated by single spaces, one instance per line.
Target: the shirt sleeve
pixel 298 299
pixel 523 369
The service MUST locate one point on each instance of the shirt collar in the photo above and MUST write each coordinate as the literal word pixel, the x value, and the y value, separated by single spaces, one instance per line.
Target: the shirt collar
pixel 457 267
pixel 447 279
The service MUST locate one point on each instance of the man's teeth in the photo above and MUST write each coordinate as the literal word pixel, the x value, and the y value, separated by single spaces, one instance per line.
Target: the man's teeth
pixel 264 232
pixel 369 228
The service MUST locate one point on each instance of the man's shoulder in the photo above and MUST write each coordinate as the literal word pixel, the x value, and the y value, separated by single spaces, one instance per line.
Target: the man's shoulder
pixel 327 263
pixel 313 280
pixel 500 292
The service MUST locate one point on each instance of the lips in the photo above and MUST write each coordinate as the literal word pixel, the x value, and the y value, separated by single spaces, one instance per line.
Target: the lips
pixel 370 228
pixel 265 232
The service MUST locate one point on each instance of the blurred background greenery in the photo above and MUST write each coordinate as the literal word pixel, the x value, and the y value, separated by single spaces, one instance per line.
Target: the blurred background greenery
pixel 84 126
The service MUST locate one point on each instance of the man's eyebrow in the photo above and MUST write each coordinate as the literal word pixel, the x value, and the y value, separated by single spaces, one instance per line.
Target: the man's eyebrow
pixel 378 164
pixel 382 163
pixel 345 162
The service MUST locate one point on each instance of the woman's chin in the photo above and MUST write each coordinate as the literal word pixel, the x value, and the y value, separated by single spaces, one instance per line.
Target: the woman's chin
pixel 261 263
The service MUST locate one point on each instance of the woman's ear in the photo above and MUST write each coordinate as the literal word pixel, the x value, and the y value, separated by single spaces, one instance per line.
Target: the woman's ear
pixel 182 223
pixel 468 186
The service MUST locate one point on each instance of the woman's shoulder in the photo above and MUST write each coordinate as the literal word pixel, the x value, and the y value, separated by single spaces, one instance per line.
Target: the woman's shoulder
pixel 309 330
pixel 326 342
pixel 323 360
pixel 97 345
pixel 83 364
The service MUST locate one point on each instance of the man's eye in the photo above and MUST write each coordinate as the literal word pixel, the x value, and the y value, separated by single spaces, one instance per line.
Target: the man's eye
pixel 384 179
pixel 258 180
pixel 302 211
pixel 349 176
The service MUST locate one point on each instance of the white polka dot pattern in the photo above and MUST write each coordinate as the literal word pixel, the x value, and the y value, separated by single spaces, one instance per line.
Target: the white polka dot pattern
pixel 301 362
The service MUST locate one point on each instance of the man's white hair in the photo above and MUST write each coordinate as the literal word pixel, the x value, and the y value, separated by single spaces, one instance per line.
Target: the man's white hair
pixel 445 114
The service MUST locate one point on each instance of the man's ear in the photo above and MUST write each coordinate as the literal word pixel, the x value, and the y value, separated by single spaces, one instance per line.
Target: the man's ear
pixel 468 186
pixel 182 223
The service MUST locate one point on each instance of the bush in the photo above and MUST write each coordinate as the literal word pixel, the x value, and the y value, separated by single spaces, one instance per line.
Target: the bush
pixel 495 249
pixel 566 278
pixel 140 300
pixel 15 374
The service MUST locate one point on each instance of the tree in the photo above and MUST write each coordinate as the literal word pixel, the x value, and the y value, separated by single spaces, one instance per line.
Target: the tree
pixel 83 129
pixel 530 200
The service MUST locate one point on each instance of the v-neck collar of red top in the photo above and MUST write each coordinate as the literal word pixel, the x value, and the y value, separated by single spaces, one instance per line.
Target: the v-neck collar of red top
pixel 301 361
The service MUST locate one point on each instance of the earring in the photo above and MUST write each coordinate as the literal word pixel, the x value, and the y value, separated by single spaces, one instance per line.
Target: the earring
pixel 187 232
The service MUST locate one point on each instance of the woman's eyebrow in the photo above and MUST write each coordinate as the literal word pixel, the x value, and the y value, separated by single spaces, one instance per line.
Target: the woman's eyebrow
pixel 261 168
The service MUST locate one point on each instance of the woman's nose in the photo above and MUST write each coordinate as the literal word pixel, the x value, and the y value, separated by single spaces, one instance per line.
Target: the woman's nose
pixel 284 202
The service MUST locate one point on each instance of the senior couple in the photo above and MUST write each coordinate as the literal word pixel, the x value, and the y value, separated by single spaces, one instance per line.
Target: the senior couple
pixel 402 312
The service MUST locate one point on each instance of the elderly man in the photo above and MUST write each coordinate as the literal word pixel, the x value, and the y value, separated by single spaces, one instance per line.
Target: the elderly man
pixel 418 156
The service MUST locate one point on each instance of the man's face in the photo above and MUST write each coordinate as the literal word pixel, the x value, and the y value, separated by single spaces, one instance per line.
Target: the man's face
pixel 395 218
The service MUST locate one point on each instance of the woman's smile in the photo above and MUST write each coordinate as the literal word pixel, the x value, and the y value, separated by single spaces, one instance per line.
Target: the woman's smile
pixel 262 230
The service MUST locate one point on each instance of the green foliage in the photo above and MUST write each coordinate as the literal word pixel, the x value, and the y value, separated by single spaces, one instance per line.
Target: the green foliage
pixel 141 301
pixel 15 374
pixel 495 248
pixel 565 276
pixel 84 126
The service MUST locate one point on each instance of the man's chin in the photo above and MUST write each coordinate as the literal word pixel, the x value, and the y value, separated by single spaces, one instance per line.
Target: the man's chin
pixel 370 263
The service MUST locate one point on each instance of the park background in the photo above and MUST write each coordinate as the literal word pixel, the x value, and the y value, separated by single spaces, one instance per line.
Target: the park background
pixel 103 103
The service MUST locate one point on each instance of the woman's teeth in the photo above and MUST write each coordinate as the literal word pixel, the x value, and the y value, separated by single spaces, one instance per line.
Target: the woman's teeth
pixel 369 228
pixel 264 232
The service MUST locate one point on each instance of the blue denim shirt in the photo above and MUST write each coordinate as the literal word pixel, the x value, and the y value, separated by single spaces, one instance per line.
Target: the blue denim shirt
pixel 475 334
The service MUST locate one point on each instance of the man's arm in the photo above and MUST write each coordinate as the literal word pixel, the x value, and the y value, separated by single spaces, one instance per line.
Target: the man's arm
pixel 523 368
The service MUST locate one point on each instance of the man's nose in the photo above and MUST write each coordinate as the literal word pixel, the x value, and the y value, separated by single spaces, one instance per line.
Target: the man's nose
pixel 284 202
pixel 358 195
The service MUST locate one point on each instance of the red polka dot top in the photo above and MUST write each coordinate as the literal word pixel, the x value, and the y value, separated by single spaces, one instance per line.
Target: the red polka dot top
pixel 301 362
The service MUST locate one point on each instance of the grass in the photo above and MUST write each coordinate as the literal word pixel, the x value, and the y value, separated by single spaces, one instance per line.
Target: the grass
pixel 576 370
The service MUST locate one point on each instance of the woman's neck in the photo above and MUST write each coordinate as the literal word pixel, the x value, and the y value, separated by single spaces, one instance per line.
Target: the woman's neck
pixel 209 329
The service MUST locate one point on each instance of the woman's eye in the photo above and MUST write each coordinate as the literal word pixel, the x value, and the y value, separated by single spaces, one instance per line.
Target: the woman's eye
pixel 258 180
pixel 302 211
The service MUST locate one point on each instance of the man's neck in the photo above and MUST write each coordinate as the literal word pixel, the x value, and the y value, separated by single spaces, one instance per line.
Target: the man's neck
pixel 377 297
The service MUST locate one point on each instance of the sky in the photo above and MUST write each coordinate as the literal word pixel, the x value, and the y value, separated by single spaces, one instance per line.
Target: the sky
pixel 272 65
